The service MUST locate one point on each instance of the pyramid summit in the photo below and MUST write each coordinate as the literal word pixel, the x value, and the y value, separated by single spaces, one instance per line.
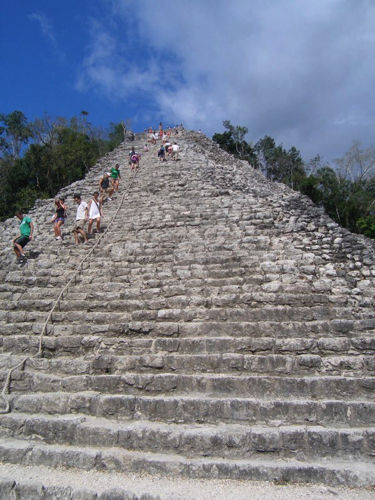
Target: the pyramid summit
pixel 219 327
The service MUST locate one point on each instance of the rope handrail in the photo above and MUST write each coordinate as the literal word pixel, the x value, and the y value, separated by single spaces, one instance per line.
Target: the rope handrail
pixel 6 388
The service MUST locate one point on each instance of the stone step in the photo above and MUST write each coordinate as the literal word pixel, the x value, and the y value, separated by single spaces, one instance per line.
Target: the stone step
pixel 200 409
pixel 270 364
pixel 36 483
pixel 187 209
pixel 233 441
pixel 241 284
pixel 306 348
pixel 182 249
pixel 29 279
pixel 343 472
pixel 253 330
pixel 146 267
pixel 273 329
pixel 234 288
pixel 231 265
pixel 42 487
pixel 241 289
pixel 156 312
pixel 160 222
pixel 314 387
pixel 156 217
pixel 167 276
pixel 129 302
pixel 210 257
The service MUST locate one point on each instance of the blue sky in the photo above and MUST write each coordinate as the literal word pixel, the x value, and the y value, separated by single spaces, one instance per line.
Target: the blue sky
pixel 301 72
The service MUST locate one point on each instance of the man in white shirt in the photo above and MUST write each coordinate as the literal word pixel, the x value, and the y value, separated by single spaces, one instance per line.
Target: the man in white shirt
pixel 167 145
pixel 81 218
pixel 175 150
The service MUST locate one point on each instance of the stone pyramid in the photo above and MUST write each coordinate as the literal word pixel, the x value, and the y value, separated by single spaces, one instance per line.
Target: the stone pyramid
pixel 220 327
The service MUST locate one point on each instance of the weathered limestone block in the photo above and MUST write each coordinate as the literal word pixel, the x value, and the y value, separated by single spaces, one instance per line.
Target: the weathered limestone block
pixel 169 345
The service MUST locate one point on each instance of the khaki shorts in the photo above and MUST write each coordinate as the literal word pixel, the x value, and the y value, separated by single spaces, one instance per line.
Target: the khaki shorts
pixel 79 224
pixel 105 192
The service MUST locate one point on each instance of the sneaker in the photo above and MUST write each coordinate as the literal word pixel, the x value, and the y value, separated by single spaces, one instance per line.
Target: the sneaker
pixel 58 238
pixel 109 199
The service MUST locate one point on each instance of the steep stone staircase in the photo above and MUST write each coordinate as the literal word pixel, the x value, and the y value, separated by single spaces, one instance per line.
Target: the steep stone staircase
pixel 221 327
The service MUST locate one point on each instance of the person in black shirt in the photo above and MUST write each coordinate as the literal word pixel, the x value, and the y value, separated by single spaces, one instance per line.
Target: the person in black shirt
pixel 104 187
pixel 59 217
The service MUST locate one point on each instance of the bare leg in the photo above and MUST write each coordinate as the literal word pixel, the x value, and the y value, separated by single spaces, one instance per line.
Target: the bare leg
pixel 83 234
pixel 57 229
pixel 17 250
pixel 98 224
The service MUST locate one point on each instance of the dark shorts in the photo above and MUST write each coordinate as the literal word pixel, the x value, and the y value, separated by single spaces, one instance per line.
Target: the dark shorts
pixel 59 219
pixel 22 241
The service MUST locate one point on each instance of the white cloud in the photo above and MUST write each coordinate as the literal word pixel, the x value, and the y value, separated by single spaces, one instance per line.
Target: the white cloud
pixel 109 69
pixel 48 31
pixel 302 72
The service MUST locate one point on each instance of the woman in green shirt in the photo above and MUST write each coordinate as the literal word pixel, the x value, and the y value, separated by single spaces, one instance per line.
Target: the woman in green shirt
pixel 115 176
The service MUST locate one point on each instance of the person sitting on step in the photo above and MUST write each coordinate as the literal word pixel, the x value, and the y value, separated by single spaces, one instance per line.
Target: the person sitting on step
pixel 104 188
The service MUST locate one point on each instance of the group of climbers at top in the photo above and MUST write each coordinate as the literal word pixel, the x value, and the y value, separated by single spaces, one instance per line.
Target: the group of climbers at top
pixel 162 134
pixel 167 147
